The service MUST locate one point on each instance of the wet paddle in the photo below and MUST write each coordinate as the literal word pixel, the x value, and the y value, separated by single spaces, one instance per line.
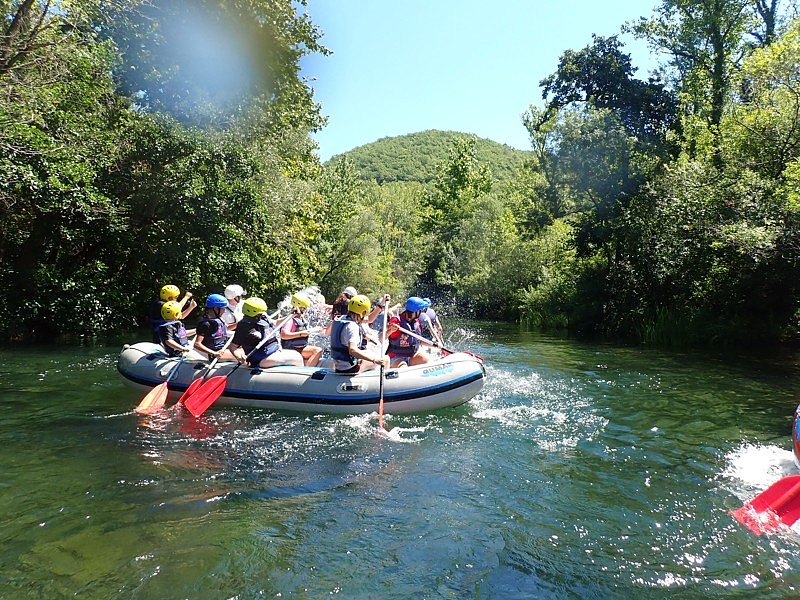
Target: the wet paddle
pixel 425 340
pixel 212 389
pixel 383 369
pixel 435 345
pixel 778 505
pixel 193 387
pixel 155 398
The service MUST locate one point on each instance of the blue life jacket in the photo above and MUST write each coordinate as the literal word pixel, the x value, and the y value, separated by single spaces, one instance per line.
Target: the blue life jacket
pixel 218 337
pixel 180 336
pixel 338 350
pixel 270 346
pixel 404 344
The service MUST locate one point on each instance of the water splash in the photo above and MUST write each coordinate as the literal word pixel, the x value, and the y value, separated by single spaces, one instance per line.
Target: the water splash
pixel 754 466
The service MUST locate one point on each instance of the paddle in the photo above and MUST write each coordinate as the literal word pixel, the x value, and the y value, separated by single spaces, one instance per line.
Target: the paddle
pixel 778 504
pixel 156 397
pixel 380 386
pixel 425 340
pixel 212 389
pixel 200 380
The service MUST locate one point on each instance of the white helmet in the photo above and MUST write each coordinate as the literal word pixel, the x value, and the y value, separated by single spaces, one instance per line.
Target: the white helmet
pixel 350 291
pixel 234 290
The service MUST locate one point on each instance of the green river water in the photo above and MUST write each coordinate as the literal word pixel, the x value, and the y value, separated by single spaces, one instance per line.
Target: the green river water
pixel 582 470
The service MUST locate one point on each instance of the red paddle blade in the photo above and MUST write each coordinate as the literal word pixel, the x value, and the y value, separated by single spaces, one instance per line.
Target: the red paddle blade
pixel 205 395
pixel 191 390
pixel 154 400
pixel 778 504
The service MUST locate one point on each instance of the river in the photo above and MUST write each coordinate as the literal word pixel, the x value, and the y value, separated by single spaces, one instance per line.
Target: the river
pixel 583 470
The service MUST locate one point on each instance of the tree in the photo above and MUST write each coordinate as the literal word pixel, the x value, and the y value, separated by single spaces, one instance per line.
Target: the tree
pixel 705 42
pixel 763 133
pixel 207 61
pixel 587 159
pixel 103 200
pixel 459 183
pixel 602 75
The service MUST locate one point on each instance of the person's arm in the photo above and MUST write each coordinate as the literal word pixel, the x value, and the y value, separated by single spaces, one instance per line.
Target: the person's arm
pixel 236 346
pixel 238 353
pixel 380 305
pixel 355 352
pixel 171 342
pixel 198 344
pixel 192 305
pixel 392 330
pixel 176 346
pixel 289 333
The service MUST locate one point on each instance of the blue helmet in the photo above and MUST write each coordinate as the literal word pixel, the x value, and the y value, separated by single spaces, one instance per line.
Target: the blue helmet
pixel 216 301
pixel 415 303
pixel 427 302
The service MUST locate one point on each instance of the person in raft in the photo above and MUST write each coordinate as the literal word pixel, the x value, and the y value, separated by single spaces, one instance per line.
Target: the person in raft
pixel 349 340
pixel 233 311
pixel 342 302
pixel 212 334
pixel 168 292
pixel 295 332
pixel 431 324
pixel 339 306
pixel 405 349
pixel 254 328
pixel 171 333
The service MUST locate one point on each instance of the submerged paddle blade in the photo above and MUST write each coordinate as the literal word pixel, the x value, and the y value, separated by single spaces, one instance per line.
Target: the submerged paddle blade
pixel 191 390
pixel 154 400
pixel 778 504
pixel 205 395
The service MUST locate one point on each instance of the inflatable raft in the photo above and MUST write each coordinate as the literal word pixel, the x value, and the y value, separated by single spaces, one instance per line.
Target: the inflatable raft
pixel 448 381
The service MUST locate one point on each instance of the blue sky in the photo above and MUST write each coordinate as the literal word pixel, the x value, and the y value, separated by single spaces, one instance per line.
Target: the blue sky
pixel 463 65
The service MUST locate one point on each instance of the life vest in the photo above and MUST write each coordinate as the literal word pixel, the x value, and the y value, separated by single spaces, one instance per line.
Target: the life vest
pixel 267 332
pixel 404 344
pixel 228 315
pixel 180 336
pixel 218 336
pixel 297 343
pixel 426 326
pixel 338 350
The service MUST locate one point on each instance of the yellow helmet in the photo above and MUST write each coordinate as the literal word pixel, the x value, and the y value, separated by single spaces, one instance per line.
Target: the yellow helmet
pixel 360 305
pixel 171 310
pixel 170 292
pixel 300 301
pixel 253 307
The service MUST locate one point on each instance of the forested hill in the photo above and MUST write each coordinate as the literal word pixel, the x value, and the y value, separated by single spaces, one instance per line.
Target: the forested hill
pixel 416 156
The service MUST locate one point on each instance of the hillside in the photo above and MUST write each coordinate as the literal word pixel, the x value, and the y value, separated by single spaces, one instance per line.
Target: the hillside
pixel 415 156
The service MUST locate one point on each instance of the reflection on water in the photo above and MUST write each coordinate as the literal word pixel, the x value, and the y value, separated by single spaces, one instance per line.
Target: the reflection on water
pixel 582 470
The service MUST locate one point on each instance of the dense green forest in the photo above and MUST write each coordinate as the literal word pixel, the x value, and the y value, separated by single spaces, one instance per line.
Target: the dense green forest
pixel 660 210
pixel 418 157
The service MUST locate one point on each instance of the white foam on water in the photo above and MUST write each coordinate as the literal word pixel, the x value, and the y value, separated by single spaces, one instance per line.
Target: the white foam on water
pixel 752 468
pixel 504 384
pixel 758 466
pixel 518 416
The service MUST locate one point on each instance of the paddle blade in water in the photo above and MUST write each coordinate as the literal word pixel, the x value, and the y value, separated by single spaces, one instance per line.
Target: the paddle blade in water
pixel 205 395
pixel 778 504
pixel 154 400
pixel 191 390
